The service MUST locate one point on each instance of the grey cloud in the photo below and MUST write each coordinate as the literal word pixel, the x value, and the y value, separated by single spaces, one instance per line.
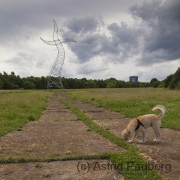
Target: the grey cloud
pixel 162 40
pixel 155 36
pixel 18 16
pixel 89 46
pixel 22 60
pixel 84 24
pixel 128 38
pixel 123 41
pixel 147 12
pixel 25 18
pixel 85 30
pixel 93 66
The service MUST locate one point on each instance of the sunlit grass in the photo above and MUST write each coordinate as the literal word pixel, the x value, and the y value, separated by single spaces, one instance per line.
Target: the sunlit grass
pixel 133 102
pixel 19 107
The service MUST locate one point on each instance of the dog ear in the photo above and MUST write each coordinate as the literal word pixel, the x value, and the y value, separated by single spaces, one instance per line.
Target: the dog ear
pixel 128 132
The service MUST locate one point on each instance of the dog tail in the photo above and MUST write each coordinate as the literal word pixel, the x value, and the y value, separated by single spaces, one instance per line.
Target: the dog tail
pixel 160 108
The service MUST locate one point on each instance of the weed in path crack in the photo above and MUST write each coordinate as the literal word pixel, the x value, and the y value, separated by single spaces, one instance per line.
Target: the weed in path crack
pixel 39 165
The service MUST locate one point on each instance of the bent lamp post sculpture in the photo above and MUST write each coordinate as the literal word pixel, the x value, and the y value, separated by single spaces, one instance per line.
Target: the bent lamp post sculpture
pixel 54 77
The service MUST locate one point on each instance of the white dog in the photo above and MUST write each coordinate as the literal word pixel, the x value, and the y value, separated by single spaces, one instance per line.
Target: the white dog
pixel 142 123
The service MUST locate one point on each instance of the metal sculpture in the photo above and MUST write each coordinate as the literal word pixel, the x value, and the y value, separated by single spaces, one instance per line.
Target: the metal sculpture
pixel 54 77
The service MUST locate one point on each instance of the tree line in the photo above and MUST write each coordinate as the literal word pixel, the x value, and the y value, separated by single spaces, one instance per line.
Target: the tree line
pixel 13 81
pixel 171 82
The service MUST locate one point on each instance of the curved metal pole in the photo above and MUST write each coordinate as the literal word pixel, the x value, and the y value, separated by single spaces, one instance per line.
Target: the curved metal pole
pixel 56 69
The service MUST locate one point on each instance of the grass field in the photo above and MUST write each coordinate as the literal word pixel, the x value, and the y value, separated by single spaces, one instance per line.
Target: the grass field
pixel 133 102
pixel 19 107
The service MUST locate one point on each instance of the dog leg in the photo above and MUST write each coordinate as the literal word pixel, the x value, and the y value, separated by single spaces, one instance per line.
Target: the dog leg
pixel 134 136
pixel 157 133
pixel 144 136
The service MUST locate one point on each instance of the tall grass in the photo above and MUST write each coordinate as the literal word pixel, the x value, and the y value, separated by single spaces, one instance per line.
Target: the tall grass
pixel 133 102
pixel 19 107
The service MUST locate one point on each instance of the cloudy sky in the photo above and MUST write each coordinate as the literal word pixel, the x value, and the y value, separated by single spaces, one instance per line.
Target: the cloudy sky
pixel 114 38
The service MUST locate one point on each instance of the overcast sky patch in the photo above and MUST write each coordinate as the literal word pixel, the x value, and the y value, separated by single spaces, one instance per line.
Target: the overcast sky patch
pixel 141 37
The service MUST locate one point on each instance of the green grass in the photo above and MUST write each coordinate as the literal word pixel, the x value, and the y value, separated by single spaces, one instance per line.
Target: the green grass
pixel 130 163
pixel 133 102
pixel 53 157
pixel 20 107
pixel 39 165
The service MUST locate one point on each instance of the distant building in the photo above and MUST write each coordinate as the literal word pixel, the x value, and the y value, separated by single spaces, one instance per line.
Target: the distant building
pixel 133 78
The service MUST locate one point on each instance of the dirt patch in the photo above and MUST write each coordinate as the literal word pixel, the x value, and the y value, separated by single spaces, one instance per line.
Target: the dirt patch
pixel 57 132
pixel 164 156
pixel 64 170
